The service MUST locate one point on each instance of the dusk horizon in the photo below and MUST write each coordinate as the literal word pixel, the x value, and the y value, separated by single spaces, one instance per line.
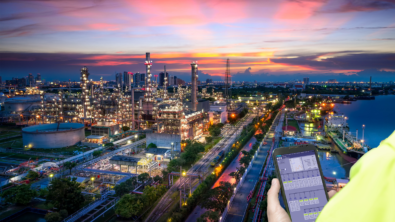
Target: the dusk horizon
pixel 265 41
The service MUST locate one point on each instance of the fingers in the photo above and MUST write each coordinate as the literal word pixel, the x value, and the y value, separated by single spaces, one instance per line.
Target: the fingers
pixel 331 193
pixel 272 194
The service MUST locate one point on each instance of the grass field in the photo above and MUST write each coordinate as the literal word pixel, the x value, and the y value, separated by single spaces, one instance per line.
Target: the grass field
pixel 13 143
pixel 5 134
pixel 293 123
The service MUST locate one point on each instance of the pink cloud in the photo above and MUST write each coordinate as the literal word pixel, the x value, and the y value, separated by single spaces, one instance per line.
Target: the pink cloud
pixel 106 63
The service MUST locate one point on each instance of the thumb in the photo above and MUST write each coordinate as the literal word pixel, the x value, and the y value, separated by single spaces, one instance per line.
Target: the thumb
pixel 272 194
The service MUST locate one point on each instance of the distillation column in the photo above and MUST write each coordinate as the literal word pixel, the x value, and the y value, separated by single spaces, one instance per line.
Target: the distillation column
pixel 194 85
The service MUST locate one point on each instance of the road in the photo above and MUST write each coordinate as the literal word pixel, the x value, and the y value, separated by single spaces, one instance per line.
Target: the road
pixel 239 204
pixel 201 167
pixel 224 177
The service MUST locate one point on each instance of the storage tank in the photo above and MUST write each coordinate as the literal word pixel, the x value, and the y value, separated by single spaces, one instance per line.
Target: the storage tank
pixel 21 104
pixel 53 135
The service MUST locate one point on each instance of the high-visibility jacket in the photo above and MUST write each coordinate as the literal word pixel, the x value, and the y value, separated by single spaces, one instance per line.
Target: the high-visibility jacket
pixel 370 194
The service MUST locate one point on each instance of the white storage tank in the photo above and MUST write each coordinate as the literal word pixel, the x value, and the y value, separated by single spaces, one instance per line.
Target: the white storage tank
pixel 53 135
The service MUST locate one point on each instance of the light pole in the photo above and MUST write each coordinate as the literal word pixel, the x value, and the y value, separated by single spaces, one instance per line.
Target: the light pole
pixel 92 179
pixel 171 152
pixel 50 176
pixel 363 132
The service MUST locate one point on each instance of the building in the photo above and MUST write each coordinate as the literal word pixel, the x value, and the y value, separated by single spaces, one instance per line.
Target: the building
pixel 30 80
pixel 127 80
pixel 180 82
pixel 171 81
pixel 119 80
pixel 332 81
pixel 177 120
pixel 142 79
pixel 137 79
pixel 306 81
pixel 175 80
pixel 218 113
pixel 38 78
pixel 162 78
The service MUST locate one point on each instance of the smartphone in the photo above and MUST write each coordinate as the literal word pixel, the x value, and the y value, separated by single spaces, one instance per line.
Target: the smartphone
pixel 302 183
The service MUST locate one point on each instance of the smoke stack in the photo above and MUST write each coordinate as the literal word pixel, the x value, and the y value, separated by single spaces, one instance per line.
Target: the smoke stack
pixel 194 67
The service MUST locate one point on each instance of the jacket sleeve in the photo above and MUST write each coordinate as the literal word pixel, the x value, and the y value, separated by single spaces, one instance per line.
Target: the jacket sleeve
pixel 370 194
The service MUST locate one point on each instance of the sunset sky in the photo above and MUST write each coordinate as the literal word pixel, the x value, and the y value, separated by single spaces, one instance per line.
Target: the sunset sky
pixel 265 40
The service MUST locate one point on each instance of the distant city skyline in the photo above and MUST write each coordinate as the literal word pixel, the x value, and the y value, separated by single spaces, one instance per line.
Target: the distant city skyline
pixel 264 40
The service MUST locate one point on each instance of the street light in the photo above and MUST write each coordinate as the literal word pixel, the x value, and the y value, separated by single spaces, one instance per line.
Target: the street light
pixel 334 173
pixel 92 178
pixel 50 176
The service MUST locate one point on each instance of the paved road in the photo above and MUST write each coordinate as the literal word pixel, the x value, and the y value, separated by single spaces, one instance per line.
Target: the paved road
pixel 224 177
pixel 201 166
pixel 239 203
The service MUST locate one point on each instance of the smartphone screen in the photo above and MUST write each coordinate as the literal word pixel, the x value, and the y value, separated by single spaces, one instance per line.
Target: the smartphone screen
pixel 302 183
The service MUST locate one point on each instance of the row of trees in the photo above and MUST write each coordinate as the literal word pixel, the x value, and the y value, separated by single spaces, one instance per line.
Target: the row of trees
pixel 64 194
pixel 215 200
pixel 188 157
pixel 134 205
pixel 215 129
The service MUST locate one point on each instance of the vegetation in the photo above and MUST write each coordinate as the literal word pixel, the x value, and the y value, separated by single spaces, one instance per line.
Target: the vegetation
pixel 31 175
pixel 188 157
pixel 20 195
pixel 125 128
pixel 238 173
pixel 53 217
pixel 131 205
pixel 217 198
pixel 152 145
pixel 65 193
pixel 97 153
pixel 126 187
pixel 215 129
pixel 209 216
pixel 69 165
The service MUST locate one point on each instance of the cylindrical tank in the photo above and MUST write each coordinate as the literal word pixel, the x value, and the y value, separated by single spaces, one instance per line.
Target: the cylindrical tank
pixel 50 136
pixel 21 104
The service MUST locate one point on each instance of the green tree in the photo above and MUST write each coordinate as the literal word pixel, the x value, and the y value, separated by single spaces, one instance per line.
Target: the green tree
pixel 129 205
pixel 97 153
pixel 69 165
pixel 165 174
pixel 63 213
pixel 31 175
pixel 53 217
pixel 238 173
pixel 65 193
pixel 209 216
pixel 217 198
pixel 158 178
pixel 20 195
pixel 152 145
pixel 209 139
pixel 43 193
pixel 215 131
pixel 125 128
pixel 125 187
pixel 245 160
pixel 143 177
pixel 149 195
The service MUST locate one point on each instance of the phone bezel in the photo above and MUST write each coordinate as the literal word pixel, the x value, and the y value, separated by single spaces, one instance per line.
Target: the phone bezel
pixel 290 150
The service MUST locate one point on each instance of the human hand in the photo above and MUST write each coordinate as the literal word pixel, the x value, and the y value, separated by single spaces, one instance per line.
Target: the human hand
pixel 275 212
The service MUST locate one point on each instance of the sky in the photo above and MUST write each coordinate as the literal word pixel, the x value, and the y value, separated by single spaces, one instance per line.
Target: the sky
pixel 265 40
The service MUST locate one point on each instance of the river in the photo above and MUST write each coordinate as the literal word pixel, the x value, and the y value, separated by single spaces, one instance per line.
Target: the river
pixel 377 115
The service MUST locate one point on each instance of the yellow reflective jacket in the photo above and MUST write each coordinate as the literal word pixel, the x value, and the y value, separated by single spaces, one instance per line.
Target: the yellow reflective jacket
pixel 370 194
